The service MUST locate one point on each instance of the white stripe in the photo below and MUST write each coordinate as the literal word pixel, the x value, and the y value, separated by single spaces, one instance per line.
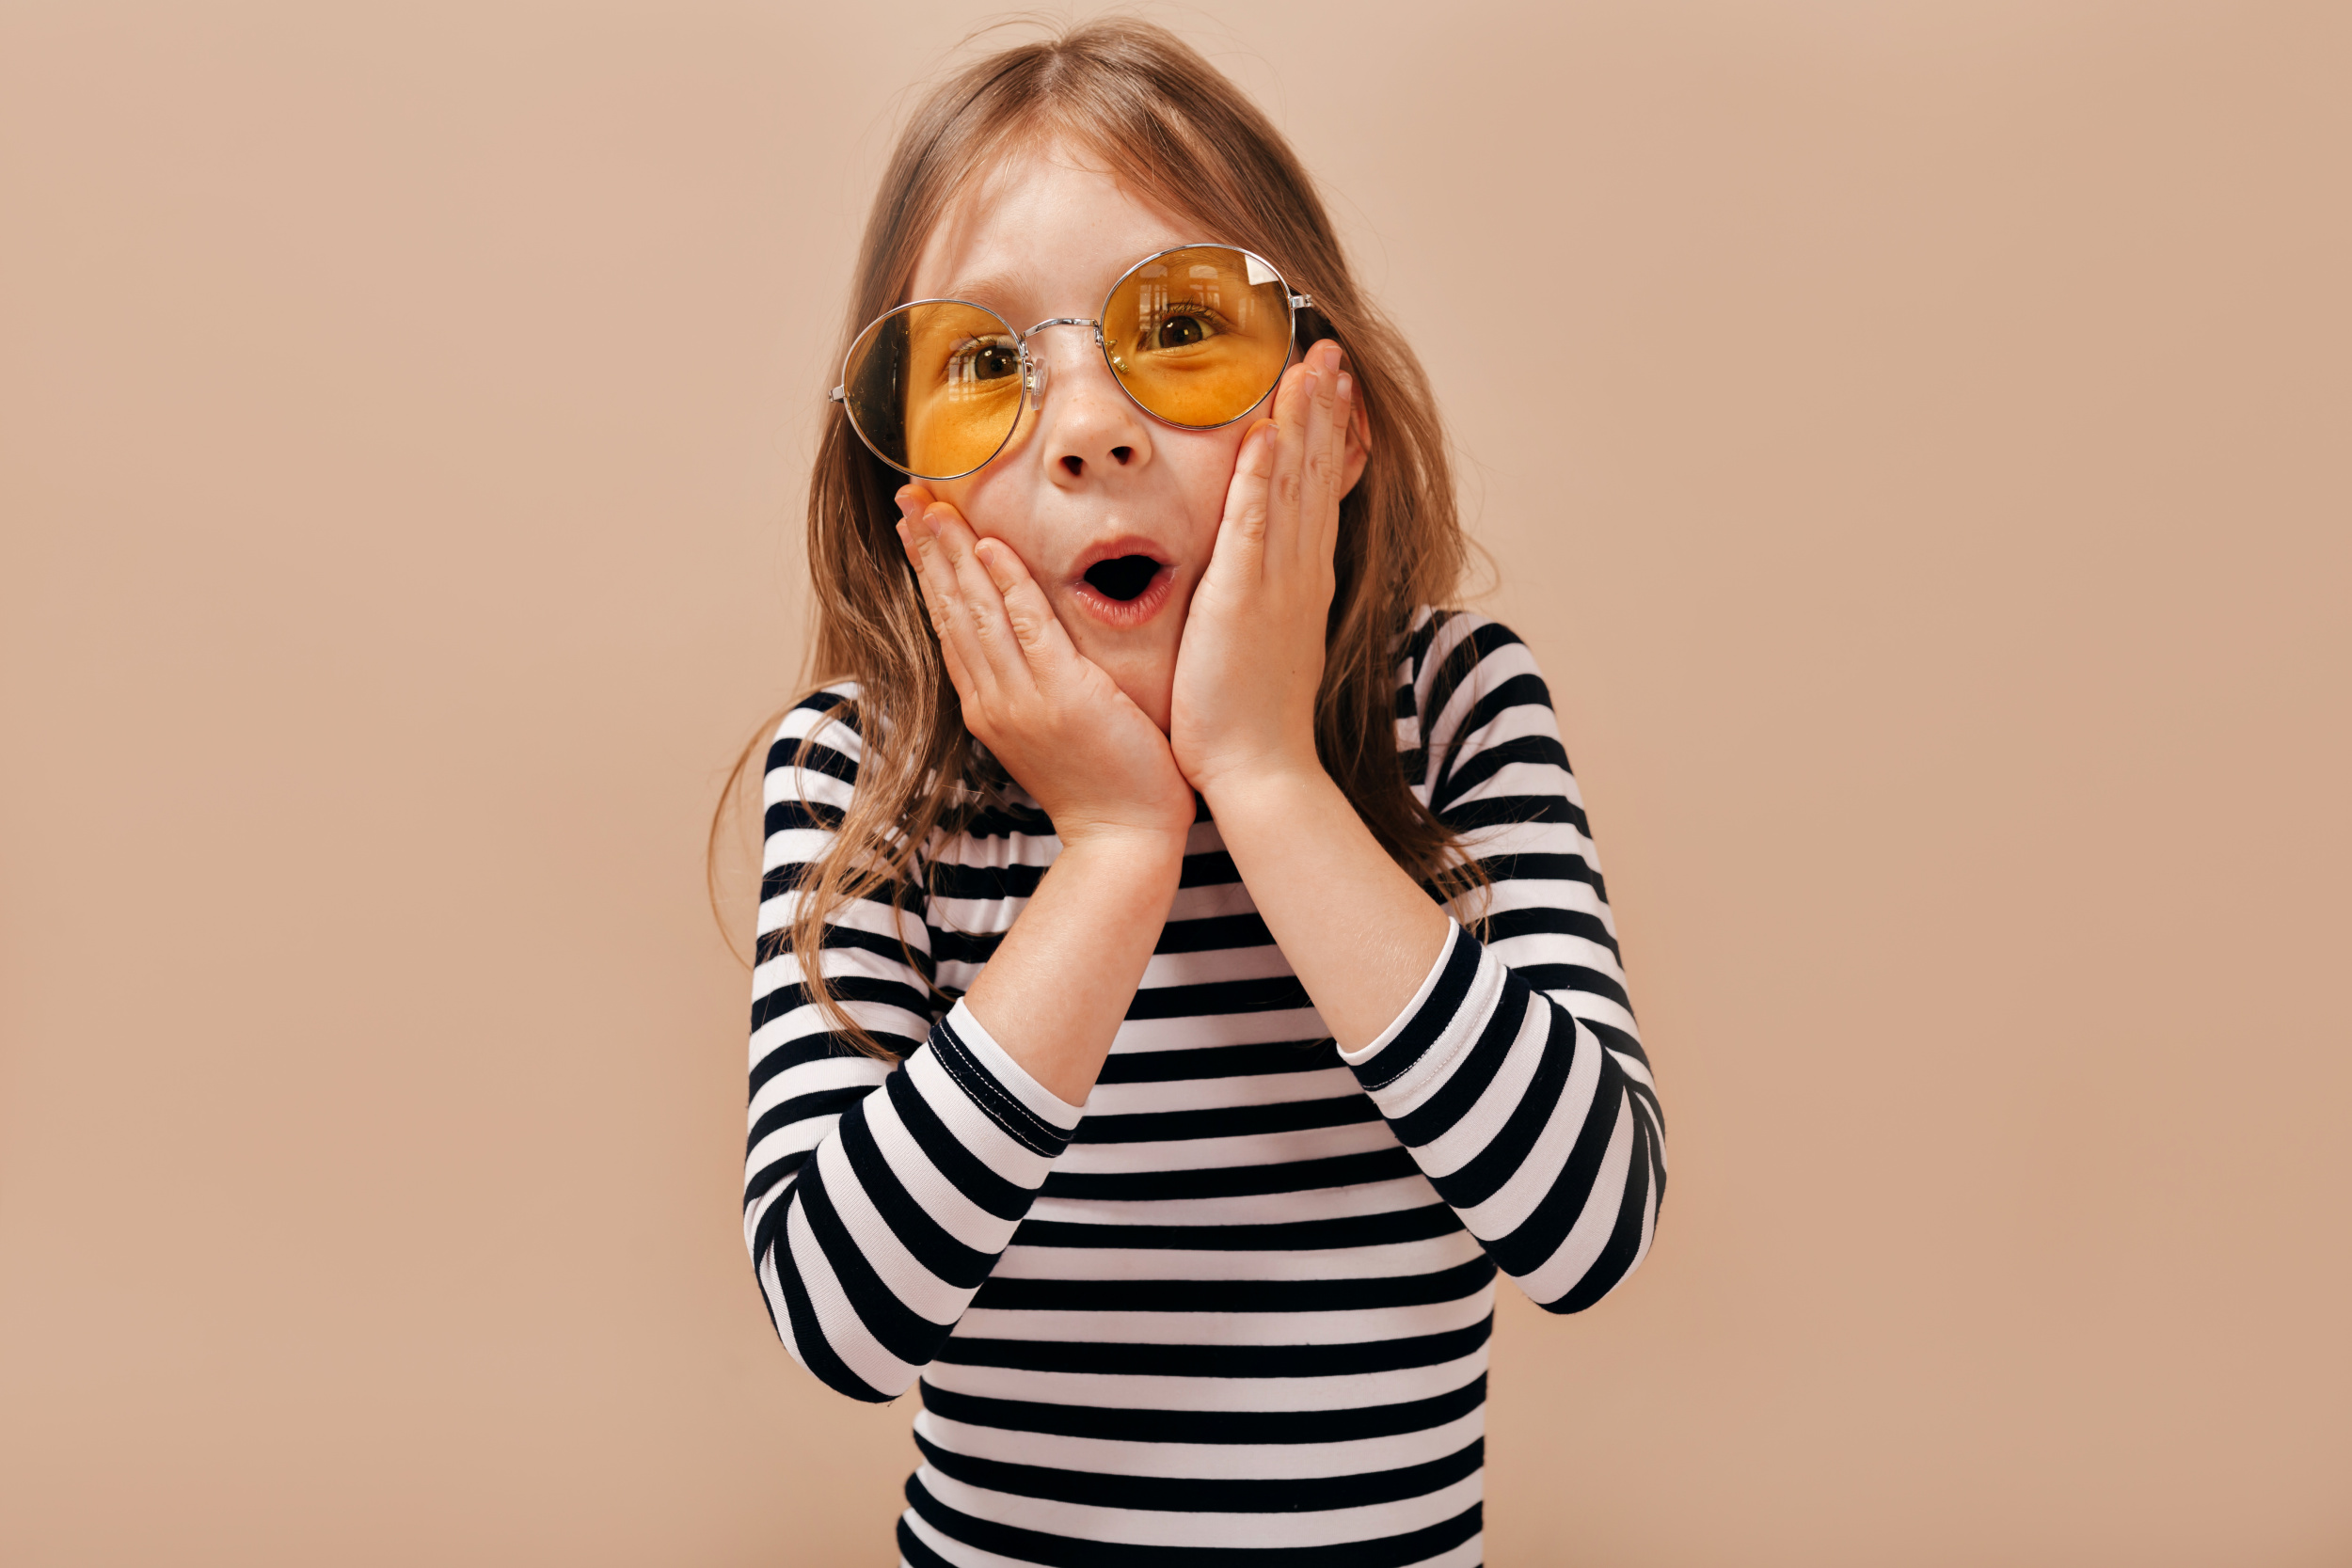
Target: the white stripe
pixel 1146 1526
pixel 1120 1391
pixel 1357 1327
pixel 1256 1148
pixel 1203 1094
pixel 1316 1203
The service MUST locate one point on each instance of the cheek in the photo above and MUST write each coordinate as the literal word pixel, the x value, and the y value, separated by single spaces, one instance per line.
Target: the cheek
pixel 1202 464
pixel 998 506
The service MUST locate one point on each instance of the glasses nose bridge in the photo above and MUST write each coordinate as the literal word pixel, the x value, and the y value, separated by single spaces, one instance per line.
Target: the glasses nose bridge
pixel 1033 369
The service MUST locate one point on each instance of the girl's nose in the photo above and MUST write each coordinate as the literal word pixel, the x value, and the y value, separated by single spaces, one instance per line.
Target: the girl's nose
pixel 1087 426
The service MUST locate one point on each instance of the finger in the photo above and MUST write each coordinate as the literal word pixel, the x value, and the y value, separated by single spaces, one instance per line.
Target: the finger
pixel 943 596
pixel 1320 459
pixel 1344 392
pixel 988 627
pixel 1293 407
pixel 1043 640
pixel 1240 549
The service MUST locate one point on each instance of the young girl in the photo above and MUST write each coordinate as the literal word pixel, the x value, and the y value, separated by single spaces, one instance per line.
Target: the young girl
pixel 1148 1098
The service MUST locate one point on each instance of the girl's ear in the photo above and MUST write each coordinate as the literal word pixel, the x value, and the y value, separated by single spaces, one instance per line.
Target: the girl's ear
pixel 1359 445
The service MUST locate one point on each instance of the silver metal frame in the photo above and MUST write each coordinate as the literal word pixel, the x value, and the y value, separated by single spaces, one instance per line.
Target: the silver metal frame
pixel 1033 371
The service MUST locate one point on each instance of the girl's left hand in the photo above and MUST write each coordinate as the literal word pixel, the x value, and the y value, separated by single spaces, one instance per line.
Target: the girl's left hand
pixel 1251 660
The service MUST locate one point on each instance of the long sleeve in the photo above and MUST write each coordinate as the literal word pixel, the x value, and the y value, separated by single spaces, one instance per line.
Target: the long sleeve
pixel 876 1200
pixel 1516 1077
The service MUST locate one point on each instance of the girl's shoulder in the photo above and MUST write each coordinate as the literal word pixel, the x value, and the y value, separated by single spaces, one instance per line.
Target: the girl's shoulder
pixel 1451 662
pixel 821 733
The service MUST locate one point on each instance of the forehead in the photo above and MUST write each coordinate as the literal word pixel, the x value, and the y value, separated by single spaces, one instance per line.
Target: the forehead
pixel 1046 233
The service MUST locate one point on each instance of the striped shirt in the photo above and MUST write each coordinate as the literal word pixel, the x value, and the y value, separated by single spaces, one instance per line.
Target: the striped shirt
pixel 1234 1309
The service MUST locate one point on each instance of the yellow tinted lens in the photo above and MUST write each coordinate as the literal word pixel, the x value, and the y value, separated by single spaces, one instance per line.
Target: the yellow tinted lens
pixel 1198 336
pixel 935 387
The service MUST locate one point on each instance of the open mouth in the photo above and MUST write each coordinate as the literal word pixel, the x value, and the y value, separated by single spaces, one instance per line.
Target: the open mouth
pixel 1123 578
pixel 1128 589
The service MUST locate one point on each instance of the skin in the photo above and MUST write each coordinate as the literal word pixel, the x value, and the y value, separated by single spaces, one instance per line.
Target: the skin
pixel 1113 715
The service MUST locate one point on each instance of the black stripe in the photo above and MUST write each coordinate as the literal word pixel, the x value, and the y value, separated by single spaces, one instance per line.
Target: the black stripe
pixel 1213 933
pixel 1219 1061
pixel 1209 868
pixel 823 1047
pixel 769 1176
pixel 1062 1551
pixel 1547 920
pixel 965 947
pixel 1221 1427
pixel 1557 977
pixel 848 987
pixel 1190 1495
pixel 983 883
pixel 1560 868
pixel 1288 1176
pixel 800 1107
pixel 1502 811
pixel 1236 1295
pixel 1264 994
pixel 1229 1121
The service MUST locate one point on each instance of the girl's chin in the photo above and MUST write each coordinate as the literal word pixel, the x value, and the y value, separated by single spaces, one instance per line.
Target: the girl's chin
pixel 1145 671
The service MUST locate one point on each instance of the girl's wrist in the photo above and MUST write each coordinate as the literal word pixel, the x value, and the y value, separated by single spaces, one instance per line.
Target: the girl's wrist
pixel 1136 849
pixel 1278 787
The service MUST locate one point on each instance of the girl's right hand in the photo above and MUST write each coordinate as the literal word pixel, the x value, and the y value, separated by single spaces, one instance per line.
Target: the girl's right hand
pixel 1060 725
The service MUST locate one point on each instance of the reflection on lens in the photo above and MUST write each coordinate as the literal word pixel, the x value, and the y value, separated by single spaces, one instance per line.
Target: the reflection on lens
pixel 935 387
pixel 1198 336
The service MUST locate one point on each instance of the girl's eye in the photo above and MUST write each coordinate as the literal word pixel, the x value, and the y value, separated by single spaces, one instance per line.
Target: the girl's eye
pixel 1180 331
pixel 991 359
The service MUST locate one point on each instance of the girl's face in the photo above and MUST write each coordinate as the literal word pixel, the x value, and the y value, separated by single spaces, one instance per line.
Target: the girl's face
pixel 1087 478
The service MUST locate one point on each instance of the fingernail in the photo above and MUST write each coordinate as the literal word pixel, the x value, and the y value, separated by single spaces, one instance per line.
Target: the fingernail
pixel 933 516
pixel 1347 387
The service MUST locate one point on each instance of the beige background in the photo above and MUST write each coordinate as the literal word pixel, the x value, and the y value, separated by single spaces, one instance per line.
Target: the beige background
pixel 1913 435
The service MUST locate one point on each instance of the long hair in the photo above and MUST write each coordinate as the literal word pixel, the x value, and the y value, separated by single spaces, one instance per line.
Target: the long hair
pixel 1172 129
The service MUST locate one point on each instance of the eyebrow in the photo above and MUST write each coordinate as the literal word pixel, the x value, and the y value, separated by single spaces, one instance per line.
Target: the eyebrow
pixel 993 290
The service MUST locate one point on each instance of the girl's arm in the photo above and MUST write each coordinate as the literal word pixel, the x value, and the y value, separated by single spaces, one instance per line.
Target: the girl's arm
pixel 1058 986
pixel 1534 1115
pixel 877 1201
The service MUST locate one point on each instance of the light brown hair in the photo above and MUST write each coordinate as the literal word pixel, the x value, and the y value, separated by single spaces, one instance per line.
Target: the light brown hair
pixel 1172 128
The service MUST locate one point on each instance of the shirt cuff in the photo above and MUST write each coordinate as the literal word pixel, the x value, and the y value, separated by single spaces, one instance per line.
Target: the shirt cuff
pixel 1033 1114
pixel 1395 1049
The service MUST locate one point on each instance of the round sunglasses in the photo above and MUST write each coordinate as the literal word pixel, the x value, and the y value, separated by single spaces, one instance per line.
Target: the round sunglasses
pixel 1196 337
